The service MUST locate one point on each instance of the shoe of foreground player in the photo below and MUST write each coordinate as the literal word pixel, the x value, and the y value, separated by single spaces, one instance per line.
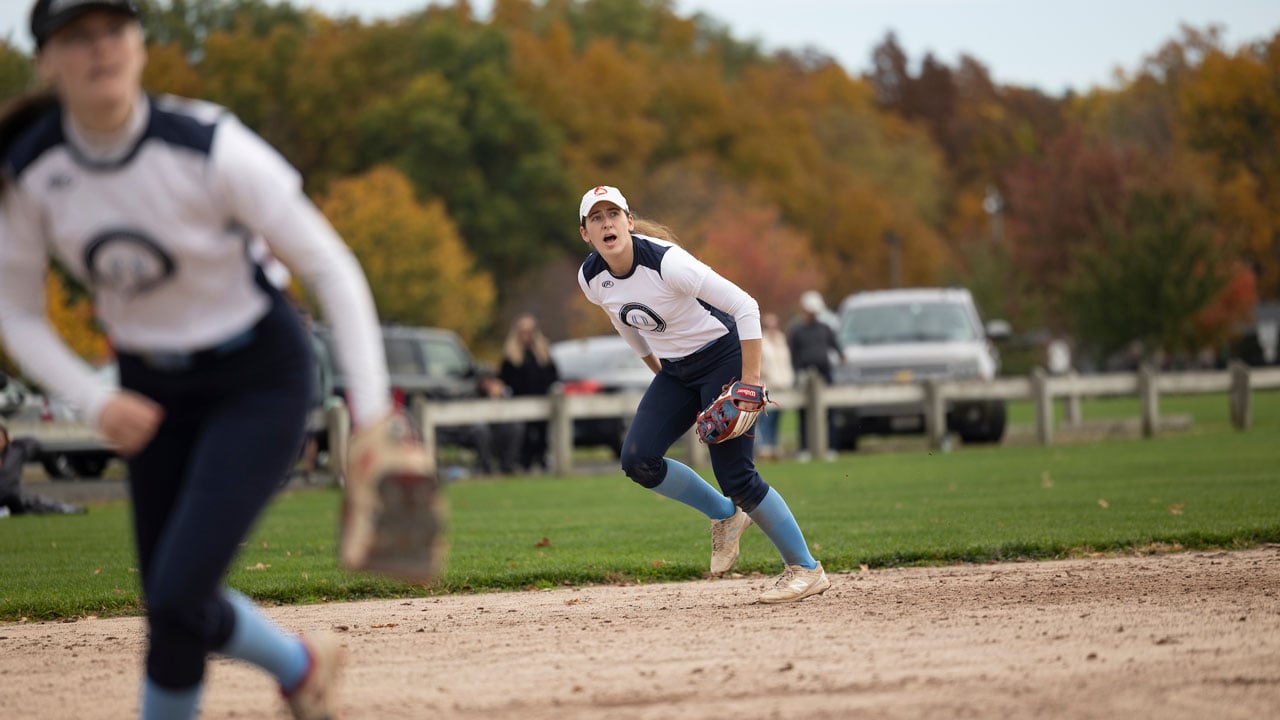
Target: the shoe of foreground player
pixel 725 535
pixel 797 582
pixel 317 697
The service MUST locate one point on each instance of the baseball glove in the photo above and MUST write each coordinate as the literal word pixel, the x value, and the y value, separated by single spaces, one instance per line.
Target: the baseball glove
pixel 732 413
pixel 392 514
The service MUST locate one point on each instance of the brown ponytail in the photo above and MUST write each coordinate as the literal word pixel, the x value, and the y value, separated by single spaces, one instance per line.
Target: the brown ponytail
pixel 655 229
pixel 16 116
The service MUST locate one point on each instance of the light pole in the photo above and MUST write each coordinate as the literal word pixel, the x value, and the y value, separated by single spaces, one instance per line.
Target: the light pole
pixel 894 241
pixel 993 204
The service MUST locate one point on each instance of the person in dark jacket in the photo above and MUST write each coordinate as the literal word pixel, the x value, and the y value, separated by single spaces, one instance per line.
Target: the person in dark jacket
pixel 14 454
pixel 811 343
pixel 527 368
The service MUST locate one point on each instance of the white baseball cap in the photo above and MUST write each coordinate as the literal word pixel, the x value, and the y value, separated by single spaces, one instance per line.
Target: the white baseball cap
pixel 812 301
pixel 601 193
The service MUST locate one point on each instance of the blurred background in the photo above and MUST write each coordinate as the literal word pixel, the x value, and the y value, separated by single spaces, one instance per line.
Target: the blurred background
pixel 1113 182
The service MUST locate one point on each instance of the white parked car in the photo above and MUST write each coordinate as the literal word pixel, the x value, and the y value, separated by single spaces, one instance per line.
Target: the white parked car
pixel 898 336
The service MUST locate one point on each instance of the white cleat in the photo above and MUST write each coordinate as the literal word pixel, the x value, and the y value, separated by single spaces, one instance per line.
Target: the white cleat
pixel 797 583
pixel 316 698
pixel 725 535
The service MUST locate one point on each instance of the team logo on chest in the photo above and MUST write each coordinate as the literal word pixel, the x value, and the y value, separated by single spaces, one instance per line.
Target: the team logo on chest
pixel 128 262
pixel 642 317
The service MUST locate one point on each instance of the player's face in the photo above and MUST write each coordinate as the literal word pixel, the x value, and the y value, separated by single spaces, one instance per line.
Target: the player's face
pixel 608 230
pixel 96 60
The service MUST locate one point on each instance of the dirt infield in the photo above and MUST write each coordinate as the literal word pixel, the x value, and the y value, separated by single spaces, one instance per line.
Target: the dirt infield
pixel 1187 635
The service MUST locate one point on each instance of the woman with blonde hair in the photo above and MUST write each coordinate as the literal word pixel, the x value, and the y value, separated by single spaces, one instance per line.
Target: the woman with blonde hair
pixel 528 369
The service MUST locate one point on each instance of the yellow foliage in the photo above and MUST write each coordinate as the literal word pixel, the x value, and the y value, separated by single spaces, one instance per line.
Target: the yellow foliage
pixel 73 317
pixel 168 71
pixel 419 268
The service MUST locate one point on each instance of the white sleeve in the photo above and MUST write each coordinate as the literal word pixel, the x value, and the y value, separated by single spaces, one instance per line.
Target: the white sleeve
pixel 632 336
pixel 29 337
pixel 264 192
pixel 719 292
pixel 690 275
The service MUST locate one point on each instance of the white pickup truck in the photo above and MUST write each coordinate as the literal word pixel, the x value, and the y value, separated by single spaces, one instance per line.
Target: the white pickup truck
pixel 912 335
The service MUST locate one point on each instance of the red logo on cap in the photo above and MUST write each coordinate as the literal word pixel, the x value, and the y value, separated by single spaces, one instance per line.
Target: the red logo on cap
pixel 600 190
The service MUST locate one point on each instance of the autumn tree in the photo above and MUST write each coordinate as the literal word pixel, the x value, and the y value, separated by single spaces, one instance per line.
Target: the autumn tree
pixel 420 270
pixel 1231 106
pixel 1147 277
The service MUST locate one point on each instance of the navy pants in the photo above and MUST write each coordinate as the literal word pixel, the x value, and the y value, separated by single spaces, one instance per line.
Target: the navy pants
pixel 669 408
pixel 233 425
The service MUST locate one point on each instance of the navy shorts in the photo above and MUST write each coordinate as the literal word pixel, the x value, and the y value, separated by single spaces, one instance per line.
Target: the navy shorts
pixel 669 408
pixel 234 418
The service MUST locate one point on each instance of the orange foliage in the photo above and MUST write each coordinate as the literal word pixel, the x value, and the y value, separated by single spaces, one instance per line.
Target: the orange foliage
pixel 751 247
pixel 1216 323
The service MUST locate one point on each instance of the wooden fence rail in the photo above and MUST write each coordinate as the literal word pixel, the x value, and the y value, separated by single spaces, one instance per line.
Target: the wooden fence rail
pixel 816 397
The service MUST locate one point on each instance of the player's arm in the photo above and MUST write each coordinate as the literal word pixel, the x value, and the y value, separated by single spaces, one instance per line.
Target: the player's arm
pixel 751 361
pixel 29 336
pixel 264 192
pixel 636 342
pixel 653 362
pixel 719 292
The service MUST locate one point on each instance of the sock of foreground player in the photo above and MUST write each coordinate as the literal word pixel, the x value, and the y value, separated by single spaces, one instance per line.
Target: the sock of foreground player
pixel 775 519
pixel 684 485
pixel 258 640
pixel 159 703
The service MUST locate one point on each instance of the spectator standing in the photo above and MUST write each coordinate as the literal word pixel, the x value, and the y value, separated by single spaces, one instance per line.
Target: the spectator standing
pixel 775 372
pixel 527 368
pixel 812 344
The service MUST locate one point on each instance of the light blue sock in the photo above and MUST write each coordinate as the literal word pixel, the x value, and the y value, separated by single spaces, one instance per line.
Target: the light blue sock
pixel 160 703
pixel 775 519
pixel 257 640
pixel 684 485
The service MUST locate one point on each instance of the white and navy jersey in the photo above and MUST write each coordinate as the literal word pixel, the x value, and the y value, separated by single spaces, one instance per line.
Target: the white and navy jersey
pixel 671 304
pixel 164 224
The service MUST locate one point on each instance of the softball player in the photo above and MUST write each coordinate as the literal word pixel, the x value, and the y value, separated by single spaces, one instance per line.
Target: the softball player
pixel 698 332
pixel 153 203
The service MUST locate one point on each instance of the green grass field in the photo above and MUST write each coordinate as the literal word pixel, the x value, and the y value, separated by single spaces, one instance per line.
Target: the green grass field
pixel 1209 486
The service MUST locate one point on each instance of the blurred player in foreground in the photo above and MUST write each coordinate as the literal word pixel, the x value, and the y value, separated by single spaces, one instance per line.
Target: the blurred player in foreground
pixel 699 333
pixel 152 203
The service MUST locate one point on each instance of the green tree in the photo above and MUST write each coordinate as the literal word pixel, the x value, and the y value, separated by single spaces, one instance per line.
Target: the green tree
pixel 16 71
pixel 1147 277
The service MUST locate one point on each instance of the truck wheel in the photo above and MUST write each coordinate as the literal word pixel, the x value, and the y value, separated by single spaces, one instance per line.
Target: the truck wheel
pixel 90 466
pixel 844 430
pixel 988 427
pixel 57 467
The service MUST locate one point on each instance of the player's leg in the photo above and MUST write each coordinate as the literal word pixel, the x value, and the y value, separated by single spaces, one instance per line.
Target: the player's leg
pixel 155 480
pixel 736 472
pixel 246 445
pixel 666 412
pixel 231 431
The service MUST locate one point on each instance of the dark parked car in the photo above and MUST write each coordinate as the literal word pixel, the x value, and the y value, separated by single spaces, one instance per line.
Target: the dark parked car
pixel 600 364
pixel 427 362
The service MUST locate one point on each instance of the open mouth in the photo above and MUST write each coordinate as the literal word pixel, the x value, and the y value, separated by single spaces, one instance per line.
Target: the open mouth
pixel 609 239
